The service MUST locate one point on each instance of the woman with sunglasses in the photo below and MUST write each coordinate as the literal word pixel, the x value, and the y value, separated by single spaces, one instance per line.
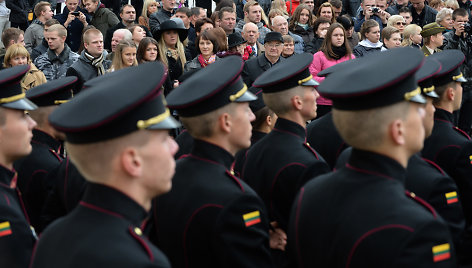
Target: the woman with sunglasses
pixel 398 22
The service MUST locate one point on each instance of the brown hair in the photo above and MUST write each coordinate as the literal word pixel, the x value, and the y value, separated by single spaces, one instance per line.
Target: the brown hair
pixel 117 63
pixel 200 22
pixel 212 36
pixel 327 46
pixel 296 17
pixel 39 7
pixel 388 31
pixel 11 34
pixel 143 45
pixel 365 28
pixel 326 4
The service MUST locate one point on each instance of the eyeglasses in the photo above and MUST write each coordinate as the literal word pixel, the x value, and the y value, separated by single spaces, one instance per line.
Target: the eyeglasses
pixel 400 23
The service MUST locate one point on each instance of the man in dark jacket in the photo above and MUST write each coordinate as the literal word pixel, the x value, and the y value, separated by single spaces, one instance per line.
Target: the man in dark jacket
pixel 166 12
pixel 273 45
pixel 91 62
pixel 19 13
pixel 74 19
pixel 459 39
pixel 320 28
pixel 422 14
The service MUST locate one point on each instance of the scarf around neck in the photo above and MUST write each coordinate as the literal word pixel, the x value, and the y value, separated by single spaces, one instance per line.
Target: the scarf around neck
pixel 204 62
pixel 96 62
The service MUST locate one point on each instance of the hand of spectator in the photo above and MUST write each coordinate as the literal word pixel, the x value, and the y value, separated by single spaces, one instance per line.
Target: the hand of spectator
pixel 368 13
pixel 70 18
pixel 323 33
pixel 460 29
pixel 384 16
pixel 277 237
pixel 82 18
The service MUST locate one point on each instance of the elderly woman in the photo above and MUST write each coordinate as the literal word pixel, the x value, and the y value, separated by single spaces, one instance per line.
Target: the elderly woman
pixel 452 4
pixel 412 36
pixel 444 18
pixel 17 54
pixel 398 22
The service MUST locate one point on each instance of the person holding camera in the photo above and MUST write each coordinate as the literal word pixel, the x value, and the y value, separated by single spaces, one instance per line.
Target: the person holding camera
pixel 74 20
pixel 371 12
pixel 460 38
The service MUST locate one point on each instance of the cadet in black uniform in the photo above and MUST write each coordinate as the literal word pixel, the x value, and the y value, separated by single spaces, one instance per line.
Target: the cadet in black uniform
pixel 211 218
pixel 17 237
pixel 427 180
pixel 47 144
pixel 361 215
pixel 261 126
pixel 132 162
pixel 279 164
pixel 448 146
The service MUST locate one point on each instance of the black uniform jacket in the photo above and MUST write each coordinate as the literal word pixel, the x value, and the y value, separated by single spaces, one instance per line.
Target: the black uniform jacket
pixel 255 67
pixel 324 138
pixel 362 216
pixel 17 238
pixel 241 155
pixel 451 149
pixel 33 173
pixel 210 218
pixel 279 164
pixel 103 231
pixel 67 190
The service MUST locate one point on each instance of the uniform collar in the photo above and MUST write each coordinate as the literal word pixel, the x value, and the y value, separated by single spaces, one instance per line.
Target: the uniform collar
pixel 113 202
pixel 376 164
pixel 290 127
pixel 6 176
pixel 256 136
pixel 443 115
pixel 205 150
pixel 40 137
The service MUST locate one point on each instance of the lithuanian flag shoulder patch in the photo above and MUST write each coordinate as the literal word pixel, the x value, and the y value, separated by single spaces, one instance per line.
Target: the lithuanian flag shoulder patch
pixel 5 228
pixel 451 198
pixel 470 158
pixel 441 252
pixel 252 218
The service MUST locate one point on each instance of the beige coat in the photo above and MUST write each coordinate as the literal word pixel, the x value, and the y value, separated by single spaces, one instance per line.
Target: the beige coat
pixel 33 78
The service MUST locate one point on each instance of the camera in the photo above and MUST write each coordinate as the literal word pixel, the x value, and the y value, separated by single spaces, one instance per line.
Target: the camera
pixel 75 13
pixel 375 9
pixel 467 28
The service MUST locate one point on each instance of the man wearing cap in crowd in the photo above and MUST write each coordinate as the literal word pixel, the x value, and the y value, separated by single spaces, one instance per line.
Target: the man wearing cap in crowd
pixel 448 146
pixel 221 222
pixel 17 237
pixel 273 45
pixel 282 162
pixel 361 215
pixel 131 164
pixel 47 145
pixel 432 38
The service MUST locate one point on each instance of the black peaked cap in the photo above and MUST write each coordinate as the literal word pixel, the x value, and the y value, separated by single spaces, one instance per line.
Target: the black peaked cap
pixel 11 94
pixel 213 87
pixel 54 92
pixel 114 108
pixel 424 76
pixel 366 84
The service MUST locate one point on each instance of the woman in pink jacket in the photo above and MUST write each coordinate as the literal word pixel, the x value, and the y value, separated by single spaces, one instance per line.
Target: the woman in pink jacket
pixel 333 51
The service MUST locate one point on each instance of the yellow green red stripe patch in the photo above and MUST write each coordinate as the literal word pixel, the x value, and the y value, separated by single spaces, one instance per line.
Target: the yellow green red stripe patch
pixel 5 228
pixel 441 252
pixel 252 218
pixel 451 197
pixel 470 158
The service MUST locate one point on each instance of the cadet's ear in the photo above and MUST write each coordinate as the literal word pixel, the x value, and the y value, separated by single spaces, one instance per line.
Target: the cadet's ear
pixel 397 132
pixel 450 93
pixel 225 123
pixel 131 162
pixel 297 102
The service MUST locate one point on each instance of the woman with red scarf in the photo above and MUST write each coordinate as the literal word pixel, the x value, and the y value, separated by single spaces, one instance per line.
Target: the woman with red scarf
pixel 208 44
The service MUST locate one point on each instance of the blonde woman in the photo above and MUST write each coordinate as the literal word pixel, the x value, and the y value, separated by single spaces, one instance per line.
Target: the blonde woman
pixel 412 36
pixel 17 54
pixel 125 55
pixel 398 22
pixel 169 37
pixel 149 7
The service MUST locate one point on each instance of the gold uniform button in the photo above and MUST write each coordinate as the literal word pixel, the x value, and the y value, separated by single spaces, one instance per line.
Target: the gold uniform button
pixel 412 194
pixel 232 172
pixel 138 231
pixel 308 143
